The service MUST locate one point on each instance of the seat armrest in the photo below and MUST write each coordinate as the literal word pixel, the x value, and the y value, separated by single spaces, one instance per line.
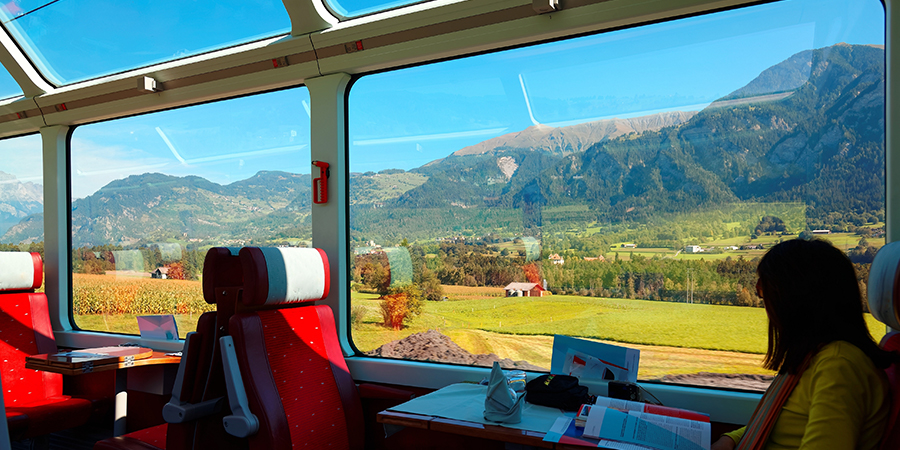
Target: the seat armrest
pixel 188 352
pixel 179 409
pixel 374 391
pixel 181 412
pixel 241 422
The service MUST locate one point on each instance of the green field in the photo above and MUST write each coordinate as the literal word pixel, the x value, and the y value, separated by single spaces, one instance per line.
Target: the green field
pixel 843 241
pixel 674 338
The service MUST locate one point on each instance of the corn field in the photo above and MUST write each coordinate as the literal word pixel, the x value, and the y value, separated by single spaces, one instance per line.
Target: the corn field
pixel 112 295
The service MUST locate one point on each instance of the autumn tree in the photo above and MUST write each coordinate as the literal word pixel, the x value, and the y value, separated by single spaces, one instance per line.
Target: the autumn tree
pixel 401 305
pixel 176 271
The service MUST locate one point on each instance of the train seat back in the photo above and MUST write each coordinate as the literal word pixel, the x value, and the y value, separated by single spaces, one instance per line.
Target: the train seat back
pixel 194 414
pixel 289 382
pixel 891 438
pixel 884 304
pixel 34 400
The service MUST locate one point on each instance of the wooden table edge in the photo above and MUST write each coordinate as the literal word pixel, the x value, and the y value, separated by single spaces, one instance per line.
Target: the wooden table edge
pixel 154 358
pixel 404 419
pixel 494 432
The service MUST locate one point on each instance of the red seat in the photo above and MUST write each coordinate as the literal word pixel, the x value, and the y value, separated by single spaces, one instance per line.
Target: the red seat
pixel 891 440
pixel 884 303
pixel 198 400
pixel 291 386
pixel 35 404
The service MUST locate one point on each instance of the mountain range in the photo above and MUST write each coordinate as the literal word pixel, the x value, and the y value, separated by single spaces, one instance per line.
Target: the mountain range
pixel 18 200
pixel 809 129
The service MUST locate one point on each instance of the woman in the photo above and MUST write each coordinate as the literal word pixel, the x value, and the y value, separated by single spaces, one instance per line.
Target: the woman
pixel 831 391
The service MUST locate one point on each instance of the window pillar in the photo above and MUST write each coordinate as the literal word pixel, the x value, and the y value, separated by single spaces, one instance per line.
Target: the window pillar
pixel 329 220
pixel 56 225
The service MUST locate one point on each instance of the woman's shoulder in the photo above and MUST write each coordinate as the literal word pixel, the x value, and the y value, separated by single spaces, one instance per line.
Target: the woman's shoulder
pixel 843 353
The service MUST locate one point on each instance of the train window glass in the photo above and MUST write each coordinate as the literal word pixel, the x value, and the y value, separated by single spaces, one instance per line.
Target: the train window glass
pixel 152 193
pixel 75 41
pixel 356 8
pixel 618 187
pixel 21 194
pixel 8 86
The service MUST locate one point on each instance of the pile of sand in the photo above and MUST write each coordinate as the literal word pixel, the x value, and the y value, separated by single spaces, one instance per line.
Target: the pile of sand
pixel 431 345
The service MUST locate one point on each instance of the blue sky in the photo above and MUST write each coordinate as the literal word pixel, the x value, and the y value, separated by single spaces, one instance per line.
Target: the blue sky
pixel 406 118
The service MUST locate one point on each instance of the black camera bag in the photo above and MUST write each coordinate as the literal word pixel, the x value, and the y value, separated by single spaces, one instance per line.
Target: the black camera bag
pixel 557 391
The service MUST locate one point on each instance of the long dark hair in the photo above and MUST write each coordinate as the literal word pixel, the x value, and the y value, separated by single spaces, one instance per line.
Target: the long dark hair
pixel 812 298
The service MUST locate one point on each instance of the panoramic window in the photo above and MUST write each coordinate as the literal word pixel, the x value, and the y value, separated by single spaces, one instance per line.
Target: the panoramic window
pixel 151 194
pixel 617 187
pixel 21 194
pixel 355 8
pixel 76 41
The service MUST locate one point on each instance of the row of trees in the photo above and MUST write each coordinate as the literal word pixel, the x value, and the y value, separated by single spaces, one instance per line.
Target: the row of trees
pixel 729 281
pixel 181 263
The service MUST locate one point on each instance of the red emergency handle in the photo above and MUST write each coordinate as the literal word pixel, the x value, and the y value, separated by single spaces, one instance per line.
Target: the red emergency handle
pixel 320 184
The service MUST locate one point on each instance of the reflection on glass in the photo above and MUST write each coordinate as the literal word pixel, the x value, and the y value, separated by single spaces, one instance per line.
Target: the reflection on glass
pixel 151 194
pixel 618 187
pixel 76 41
pixel 355 8
pixel 21 194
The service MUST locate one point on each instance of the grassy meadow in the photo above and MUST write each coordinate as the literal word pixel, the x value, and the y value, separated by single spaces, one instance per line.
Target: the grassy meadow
pixel 697 337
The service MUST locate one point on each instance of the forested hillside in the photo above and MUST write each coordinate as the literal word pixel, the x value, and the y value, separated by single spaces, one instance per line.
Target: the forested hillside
pixel 797 133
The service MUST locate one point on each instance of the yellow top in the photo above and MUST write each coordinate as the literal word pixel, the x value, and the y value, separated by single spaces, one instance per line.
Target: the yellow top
pixel 841 402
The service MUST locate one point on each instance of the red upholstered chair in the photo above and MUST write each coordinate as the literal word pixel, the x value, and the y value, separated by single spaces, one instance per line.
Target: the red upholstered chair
pixel 891 440
pixel 289 385
pixel 195 412
pixel 884 303
pixel 34 400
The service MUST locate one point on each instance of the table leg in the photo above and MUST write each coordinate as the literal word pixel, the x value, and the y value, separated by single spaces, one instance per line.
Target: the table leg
pixel 121 407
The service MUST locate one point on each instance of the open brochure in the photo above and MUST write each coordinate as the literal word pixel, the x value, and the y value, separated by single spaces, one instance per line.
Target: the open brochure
pixel 651 430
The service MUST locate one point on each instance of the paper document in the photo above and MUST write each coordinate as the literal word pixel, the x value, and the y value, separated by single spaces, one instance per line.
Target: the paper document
pixel 593 360
pixel 661 432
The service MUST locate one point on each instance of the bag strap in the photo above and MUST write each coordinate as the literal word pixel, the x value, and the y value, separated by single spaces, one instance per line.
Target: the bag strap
pixel 769 408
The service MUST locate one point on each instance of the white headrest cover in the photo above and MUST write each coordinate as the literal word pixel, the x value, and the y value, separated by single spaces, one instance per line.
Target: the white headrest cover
pixel 883 287
pixel 17 271
pixel 295 274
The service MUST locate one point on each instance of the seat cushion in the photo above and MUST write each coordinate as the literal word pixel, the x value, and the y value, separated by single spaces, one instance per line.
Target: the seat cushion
pixel 47 416
pixel 153 438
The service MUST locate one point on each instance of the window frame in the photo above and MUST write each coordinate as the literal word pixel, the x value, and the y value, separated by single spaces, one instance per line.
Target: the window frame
pixel 47 74
pixel 70 330
pixel 723 404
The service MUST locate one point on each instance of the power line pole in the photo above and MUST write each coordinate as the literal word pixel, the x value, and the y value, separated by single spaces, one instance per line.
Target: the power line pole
pixel 690 273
